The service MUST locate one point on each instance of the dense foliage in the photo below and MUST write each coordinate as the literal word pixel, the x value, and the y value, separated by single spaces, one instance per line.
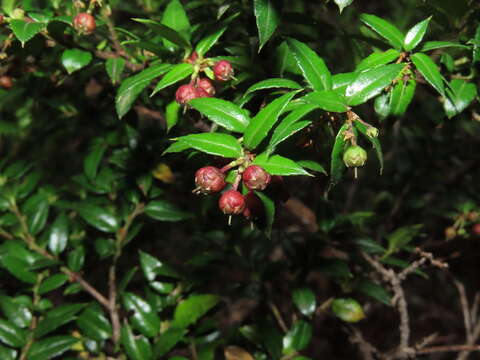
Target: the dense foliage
pixel 253 179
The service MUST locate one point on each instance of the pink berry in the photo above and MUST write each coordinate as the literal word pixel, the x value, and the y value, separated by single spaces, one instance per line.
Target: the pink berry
pixel 84 23
pixel 209 179
pixel 256 178
pixel 206 84
pixel 253 206
pixel 185 93
pixel 223 70
pixel 231 202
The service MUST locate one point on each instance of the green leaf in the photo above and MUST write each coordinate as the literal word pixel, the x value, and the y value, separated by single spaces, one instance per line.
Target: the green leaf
pixel 193 308
pixel 382 105
pixel 214 144
pixel 162 210
pixel 264 121
pixel 349 310
pixel 342 4
pixel 401 96
pixel 385 29
pixel 313 67
pixel 269 208
pixel 76 258
pixel 52 283
pixel 415 34
pixel 25 31
pixel 172 111
pixel 166 32
pixel 7 353
pixel 134 85
pixel 273 83
pixel 284 133
pixel 297 338
pixel 51 347
pixel 429 70
pixel 208 41
pixel 36 210
pixel 327 100
pixel 461 95
pixel 401 237
pixel 336 163
pixel 11 334
pixel 176 147
pixel 476 46
pixel 312 165
pixel 18 268
pixel 305 301
pixel 152 267
pixel 138 348
pixel 432 45
pixel 93 324
pixel 279 165
pixel 373 140
pixel 144 318
pixel 93 159
pixel 75 59
pixel 16 312
pixel 176 18
pixel 375 291
pixel 371 82
pixel 98 217
pixel 115 67
pixel 58 237
pixel 168 340
pixel 223 113
pixel 377 59
pixel 177 73
pixel 57 317
pixel 267 18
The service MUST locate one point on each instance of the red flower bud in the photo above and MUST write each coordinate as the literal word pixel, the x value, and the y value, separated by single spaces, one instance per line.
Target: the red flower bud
pixel 231 202
pixel 6 82
pixel 84 23
pixel 253 206
pixel 206 84
pixel 2 19
pixel 256 178
pixel 192 59
pixel 201 93
pixel 223 70
pixel 185 93
pixel 209 179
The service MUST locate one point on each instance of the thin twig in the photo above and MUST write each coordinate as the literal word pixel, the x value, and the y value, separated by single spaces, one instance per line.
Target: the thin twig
pixel 278 316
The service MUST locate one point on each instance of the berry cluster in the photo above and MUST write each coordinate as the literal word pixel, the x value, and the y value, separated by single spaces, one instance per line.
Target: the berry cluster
pixel 84 23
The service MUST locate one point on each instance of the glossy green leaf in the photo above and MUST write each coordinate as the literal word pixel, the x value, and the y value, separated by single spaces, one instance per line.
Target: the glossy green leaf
pixel 57 317
pixel 279 165
pixel 375 291
pixel 401 237
pixel 214 144
pixel 209 40
pixel 342 4
pixel 168 340
pixel 93 324
pixel 93 159
pixel 176 147
pixel 264 121
pixel 191 309
pixel 401 96
pixel 373 140
pixel 18 268
pixel 137 347
pixel 51 283
pixel 297 338
pixel 385 29
pixel 305 301
pixel 349 310
pixel 476 46
pixel 432 45
pixel 336 163
pixel 429 70
pixel 24 31
pixel 166 32
pixel 98 217
pixel 76 258
pixel 58 237
pixel 115 67
pixel 312 165
pixel 415 35
pixel 282 134
pixel 144 318
pixel 28 184
pixel 377 59
pixel 461 95
pixel 273 83
pixel 36 210
pixel 163 210
pixel 11 334
pixel 75 59
pixel 223 113
pixel 51 347
pixel 172 112
pixel 313 67
pixel 134 85
pixel 7 353
pixel 370 83
pixel 327 100
pixel 16 312
pixel 152 267
pixel 177 73
pixel 269 208
pixel 176 18
pixel 267 17
pixel 382 105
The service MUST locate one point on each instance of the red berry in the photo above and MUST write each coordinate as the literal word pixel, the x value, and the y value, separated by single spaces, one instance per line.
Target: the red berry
pixel 206 84
pixel 6 82
pixel 201 93
pixel 223 70
pixel 84 23
pixel 231 202
pixel 256 178
pixel 185 93
pixel 2 18
pixel 253 206
pixel 209 179
pixel 476 229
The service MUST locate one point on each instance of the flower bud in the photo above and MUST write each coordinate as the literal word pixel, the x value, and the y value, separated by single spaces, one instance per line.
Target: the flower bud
pixel 355 156
pixel 201 93
pixel 84 23
pixel 349 310
pixel 232 202
pixel 209 179
pixel 206 84
pixel 185 93
pixel 223 70
pixel 256 178
pixel 450 233
pixel 6 82
pixel 18 14
pixel 372 132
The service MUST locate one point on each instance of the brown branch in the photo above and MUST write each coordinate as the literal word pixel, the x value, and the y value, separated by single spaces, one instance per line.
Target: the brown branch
pixel 278 316
pixel 86 286
pixel 112 55
pixel 448 348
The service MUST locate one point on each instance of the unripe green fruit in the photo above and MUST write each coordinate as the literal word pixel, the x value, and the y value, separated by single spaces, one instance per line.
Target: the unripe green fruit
pixel 355 156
